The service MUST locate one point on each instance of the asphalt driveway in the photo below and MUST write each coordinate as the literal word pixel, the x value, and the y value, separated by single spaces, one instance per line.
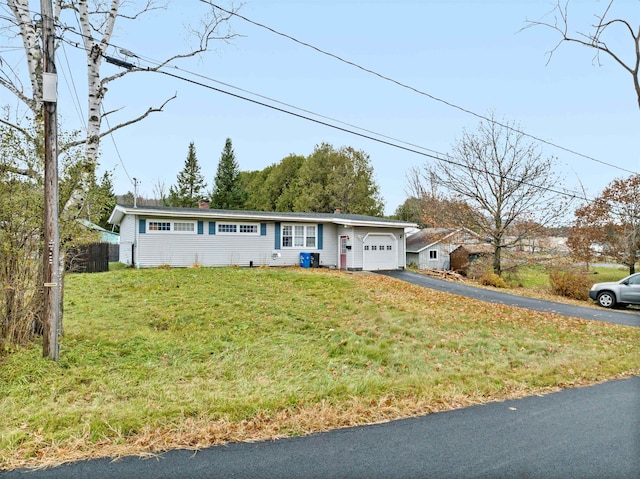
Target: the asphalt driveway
pixel 629 318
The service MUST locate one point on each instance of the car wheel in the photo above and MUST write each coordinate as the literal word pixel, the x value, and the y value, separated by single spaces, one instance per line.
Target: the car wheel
pixel 606 299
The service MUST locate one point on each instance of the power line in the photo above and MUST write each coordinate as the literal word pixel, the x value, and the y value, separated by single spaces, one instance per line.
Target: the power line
pixel 447 160
pixel 437 155
pixel 413 89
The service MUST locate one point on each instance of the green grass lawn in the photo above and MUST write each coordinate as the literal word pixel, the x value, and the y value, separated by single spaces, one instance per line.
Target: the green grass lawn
pixel 537 276
pixel 164 358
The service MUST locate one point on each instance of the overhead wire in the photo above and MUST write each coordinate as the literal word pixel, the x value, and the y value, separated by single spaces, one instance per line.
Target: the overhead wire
pixel 367 135
pixel 446 159
pixel 73 91
pixel 435 154
pixel 414 89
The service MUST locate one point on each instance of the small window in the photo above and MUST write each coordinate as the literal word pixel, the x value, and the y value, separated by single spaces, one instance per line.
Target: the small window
pixel 184 227
pixel 366 247
pixel 248 229
pixel 171 226
pixel 159 226
pixel 433 254
pixel 374 248
pixel 222 228
pixel 389 247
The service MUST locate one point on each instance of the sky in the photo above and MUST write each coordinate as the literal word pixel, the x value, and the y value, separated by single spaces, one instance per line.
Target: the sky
pixel 470 54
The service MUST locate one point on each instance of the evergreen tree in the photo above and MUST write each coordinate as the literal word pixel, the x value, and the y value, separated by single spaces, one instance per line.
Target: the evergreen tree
pixel 228 191
pixel 190 185
pixel 336 178
pixel 105 200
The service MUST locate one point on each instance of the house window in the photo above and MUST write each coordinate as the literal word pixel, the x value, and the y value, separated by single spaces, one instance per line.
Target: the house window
pixel 311 237
pixel 433 254
pixel 389 247
pixel 248 229
pixel 172 226
pixel 222 228
pixel 184 227
pixel 299 236
pixel 366 247
pixel 238 228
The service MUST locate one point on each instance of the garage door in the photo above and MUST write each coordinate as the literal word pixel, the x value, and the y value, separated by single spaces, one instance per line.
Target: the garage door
pixel 380 253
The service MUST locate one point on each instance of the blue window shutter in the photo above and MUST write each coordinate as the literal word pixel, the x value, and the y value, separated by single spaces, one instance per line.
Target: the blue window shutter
pixel 200 227
pixel 277 240
pixel 320 228
pixel 263 229
pixel 212 227
pixel 142 226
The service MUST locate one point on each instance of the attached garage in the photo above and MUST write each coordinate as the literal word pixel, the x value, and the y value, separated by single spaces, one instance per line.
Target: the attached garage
pixel 380 252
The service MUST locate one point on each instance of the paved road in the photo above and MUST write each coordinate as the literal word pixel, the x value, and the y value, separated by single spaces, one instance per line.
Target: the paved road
pixel 577 433
pixel 629 318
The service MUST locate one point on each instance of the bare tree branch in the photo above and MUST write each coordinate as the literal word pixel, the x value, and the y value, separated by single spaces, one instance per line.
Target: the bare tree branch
pixel 122 125
pixel 595 40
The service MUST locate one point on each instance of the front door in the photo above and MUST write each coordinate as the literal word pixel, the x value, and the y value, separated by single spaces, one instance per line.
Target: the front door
pixel 343 252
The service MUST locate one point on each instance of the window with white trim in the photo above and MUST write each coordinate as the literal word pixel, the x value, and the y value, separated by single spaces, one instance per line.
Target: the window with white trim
pixel 159 226
pixel 238 228
pixel 299 236
pixel 185 227
pixel 164 226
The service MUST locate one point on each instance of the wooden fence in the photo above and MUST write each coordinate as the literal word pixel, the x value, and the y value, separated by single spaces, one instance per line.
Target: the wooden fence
pixel 91 258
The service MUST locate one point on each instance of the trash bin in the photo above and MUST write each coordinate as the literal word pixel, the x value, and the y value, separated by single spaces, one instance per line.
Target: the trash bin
pixel 315 260
pixel 305 260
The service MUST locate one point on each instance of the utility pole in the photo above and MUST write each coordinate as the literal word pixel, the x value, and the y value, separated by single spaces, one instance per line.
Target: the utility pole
pixel 51 256
pixel 135 192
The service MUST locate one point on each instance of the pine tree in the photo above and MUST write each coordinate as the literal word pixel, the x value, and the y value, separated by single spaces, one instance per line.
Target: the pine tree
pixel 228 192
pixel 190 185
pixel 106 199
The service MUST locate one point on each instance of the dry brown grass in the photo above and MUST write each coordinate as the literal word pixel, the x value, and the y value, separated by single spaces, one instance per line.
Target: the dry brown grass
pixel 194 434
pixel 407 351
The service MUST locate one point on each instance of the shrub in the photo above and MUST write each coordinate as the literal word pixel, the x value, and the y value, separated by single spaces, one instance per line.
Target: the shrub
pixel 569 284
pixel 492 279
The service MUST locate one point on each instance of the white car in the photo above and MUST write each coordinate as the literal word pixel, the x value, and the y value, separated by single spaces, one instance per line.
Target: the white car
pixel 623 292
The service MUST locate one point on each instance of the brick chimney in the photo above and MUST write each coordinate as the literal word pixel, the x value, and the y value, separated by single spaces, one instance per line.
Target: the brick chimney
pixel 203 204
pixel 337 211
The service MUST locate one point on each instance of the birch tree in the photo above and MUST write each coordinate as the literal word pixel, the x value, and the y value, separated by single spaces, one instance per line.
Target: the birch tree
pixel 97 20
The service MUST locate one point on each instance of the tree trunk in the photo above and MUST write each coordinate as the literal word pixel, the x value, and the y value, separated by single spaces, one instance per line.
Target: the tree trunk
pixel 497 253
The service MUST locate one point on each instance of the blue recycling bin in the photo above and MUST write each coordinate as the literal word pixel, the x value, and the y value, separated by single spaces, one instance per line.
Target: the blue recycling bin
pixel 305 260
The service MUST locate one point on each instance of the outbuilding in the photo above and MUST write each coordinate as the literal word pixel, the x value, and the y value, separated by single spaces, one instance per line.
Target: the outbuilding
pixel 429 248
pixel 152 236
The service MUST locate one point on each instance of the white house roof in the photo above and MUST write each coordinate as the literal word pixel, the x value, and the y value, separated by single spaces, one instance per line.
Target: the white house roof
pixel 120 211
